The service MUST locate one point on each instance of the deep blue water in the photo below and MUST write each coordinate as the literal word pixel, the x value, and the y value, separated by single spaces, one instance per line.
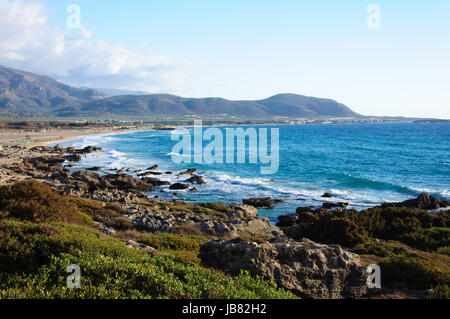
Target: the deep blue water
pixel 363 164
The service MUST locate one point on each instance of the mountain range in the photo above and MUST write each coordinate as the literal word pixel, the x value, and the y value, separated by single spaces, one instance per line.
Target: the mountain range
pixel 27 94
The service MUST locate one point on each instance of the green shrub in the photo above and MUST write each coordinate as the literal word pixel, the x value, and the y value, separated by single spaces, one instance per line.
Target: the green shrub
pixel 444 250
pixel 441 292
pixel 166 241
pixel 369 248
pixel 87 220
pixel 33 201
pixel 417 228
pixel 412 272
pixel 218 207
pixel 330 228
pixel 184 247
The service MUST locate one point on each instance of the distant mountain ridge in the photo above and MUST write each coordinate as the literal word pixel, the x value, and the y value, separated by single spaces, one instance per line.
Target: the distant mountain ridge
pixel 27 93
pixel 118 92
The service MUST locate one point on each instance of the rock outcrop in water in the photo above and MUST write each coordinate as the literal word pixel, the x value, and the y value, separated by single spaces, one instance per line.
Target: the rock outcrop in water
pixel 195 179
pixel 179 186
pixel 424 201
pixel 309 269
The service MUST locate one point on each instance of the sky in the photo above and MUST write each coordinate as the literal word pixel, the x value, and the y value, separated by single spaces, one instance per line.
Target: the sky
pixel 387 58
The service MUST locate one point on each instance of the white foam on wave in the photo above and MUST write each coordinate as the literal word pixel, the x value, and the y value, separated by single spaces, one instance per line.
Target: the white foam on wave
pixel 292 191
pixel 176 154
pixel 90 140
pixel 440 192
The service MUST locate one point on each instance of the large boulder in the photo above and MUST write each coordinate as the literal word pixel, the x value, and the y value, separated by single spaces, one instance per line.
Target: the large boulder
pixel 287 221
pixel 155 181
pixel 308 269
pixel 266 202
pixel 242 211
pixel 195 179
pixel 179 186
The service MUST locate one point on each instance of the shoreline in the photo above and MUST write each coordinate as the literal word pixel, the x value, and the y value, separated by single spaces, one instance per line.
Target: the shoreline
pixel 314 200
pixel 47 136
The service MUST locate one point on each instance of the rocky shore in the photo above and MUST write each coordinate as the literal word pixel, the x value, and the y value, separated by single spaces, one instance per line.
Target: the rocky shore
pixel 238 238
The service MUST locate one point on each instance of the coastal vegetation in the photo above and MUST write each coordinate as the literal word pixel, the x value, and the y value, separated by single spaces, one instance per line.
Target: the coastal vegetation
pixel 42 232
pixel 410 245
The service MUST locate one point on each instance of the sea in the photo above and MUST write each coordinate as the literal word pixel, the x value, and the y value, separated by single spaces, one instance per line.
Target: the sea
pixel 363 164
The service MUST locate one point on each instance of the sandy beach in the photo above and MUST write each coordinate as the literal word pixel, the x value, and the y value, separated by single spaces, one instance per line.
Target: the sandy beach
pixel 15 144
pixel 43 137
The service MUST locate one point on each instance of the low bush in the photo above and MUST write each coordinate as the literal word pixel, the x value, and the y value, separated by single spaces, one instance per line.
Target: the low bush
pixel 417 228
pixel 218 207
pixel 412 272
pixel 33 201
pixel 184 247
pixel 329 228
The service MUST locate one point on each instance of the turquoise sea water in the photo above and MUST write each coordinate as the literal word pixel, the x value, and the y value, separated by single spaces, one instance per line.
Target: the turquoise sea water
pixel 363 164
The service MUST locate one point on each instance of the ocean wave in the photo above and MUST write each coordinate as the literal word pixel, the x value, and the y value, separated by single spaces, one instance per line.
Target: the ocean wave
pixel 361 191
pixel 117 154
pixel 366 183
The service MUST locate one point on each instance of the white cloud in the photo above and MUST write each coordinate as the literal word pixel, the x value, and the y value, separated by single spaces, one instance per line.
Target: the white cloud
pixel 28 41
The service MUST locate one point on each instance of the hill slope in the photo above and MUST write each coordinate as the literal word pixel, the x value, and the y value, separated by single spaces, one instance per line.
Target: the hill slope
pixel 24 93
pixel 28 92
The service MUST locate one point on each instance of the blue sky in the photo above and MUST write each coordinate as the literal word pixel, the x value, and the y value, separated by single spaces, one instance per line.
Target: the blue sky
pixel 254 49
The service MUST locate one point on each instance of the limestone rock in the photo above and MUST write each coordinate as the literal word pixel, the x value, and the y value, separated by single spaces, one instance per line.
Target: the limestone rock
pixel 308 269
